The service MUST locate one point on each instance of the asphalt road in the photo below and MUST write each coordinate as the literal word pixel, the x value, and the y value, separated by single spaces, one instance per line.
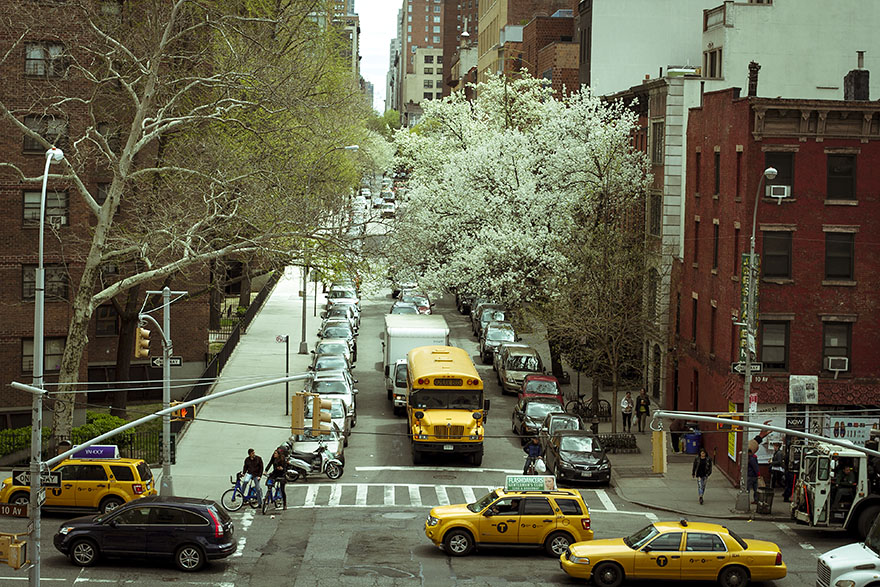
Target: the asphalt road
pixel 368 528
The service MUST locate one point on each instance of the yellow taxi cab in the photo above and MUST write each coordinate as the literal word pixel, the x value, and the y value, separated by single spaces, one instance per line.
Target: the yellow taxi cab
pixel 89 484
pixel 675 551
pixel 528 511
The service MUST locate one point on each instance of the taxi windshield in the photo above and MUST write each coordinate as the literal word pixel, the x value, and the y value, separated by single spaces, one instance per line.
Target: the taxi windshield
pixel 483 502
pixel 427 399
pixel 637 540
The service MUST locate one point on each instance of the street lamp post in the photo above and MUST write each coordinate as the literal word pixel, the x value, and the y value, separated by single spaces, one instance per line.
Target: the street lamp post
pixel 742 500
pixel 303 345
pixel 52 154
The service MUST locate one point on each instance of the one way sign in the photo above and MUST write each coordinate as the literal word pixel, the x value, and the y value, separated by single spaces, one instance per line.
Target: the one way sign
pixel 47 478
pixel 174 361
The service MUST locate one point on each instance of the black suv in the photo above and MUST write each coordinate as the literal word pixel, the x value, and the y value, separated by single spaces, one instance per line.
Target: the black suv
pixel 189 530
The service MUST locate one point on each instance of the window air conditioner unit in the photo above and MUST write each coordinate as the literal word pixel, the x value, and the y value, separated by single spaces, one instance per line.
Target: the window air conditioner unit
pixel 778 191
pixel 836 363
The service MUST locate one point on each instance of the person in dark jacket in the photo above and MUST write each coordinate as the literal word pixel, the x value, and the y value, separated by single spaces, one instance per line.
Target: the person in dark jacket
pixel 753 473
pixel 701 470
pixel 533 450
pixel 277 469
pixel 643 410
pixel 252 471
pixel 777 467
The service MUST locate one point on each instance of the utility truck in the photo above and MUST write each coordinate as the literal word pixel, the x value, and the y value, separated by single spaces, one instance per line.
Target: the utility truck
pixel 403 333
pixel 835 487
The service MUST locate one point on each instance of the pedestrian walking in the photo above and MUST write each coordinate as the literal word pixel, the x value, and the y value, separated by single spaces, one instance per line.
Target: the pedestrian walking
pixel 627 405
pixel 777 467
pixel 753 474
pixel 701 470
pixel 643 410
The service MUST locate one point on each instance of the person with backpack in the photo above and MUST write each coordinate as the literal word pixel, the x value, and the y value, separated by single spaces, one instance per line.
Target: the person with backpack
pixel 701 470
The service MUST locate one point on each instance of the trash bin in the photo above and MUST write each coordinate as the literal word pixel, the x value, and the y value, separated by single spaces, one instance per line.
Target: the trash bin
pixel 692 442
pixel 765 500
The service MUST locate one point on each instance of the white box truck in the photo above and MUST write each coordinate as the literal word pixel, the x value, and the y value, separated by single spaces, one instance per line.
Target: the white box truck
pixel 403 333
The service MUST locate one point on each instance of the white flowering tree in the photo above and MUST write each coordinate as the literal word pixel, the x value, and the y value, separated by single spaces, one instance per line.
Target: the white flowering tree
pixel 528 199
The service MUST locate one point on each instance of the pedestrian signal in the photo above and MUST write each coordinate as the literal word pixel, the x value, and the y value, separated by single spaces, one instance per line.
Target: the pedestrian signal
pixel 183 414
pixel 729 427
pixel 297 413
pixel 141 343
pixel 321 415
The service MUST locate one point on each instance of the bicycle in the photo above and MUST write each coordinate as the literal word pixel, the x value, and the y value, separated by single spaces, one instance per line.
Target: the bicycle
pixel 273 495
pixel 583 408
pixel 232 499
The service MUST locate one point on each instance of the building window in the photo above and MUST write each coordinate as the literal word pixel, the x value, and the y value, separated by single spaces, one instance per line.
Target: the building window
pixel 774 345
pixel 436 9
pixel 739 159
pixel 715 230
pixel 436 40
pixel 429 83
pixel 56 208
pixel 696 241
pixel 783 163
pixel 717 173
pixel 839 254
pixel 841 177
pixel 436 29
pixel 694 320
pixel 736 257
pixel 429 59
pixel 697 172
pixel 428 95
pixel 106 321
pixel 45 60
pixel 429 71
pixel 656 213
pixel 409 28
pixel 712 64
pixel 836 340
pixel 657 130
pixel 439 95
pixel 53 129
pixel 439 59
pixel 713 313
pixel 777 255
pixel 53 349
pixel 653 294
pixel 437 18
pixel 56 282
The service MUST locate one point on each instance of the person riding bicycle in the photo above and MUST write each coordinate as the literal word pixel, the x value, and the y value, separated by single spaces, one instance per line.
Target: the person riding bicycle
pixel 277 469
pixel 533 450
pixel 252 471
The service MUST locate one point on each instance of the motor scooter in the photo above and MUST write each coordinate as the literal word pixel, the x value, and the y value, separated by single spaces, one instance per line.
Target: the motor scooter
pixel 303 464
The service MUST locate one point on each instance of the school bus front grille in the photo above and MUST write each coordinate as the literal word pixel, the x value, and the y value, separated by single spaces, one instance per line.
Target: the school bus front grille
pixel 451 432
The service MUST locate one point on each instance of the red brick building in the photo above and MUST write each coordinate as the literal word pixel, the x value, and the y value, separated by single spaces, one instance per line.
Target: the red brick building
pixel 548 51
pixel 819 283
pixel 461 16
pixel 35 70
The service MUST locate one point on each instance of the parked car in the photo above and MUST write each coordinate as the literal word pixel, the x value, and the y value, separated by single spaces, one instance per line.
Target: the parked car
pixel 528 414
pixel 342 311
pixel 493 335
pixel 336 384
pixel 577 455
pixel 496 356
pixel 513 366
pixel 329 363
pixel 340 331
pixel 540 385
pixel 90 484
pixel 188 530
pixel 401 282
pixel 350 305
pixel 555 423
pixel 338 294
pixel 489 310
pixel 404 308
pixel 335 346
pixel 463 303
pixel 419 299
pixel 387 209
pixel 338 416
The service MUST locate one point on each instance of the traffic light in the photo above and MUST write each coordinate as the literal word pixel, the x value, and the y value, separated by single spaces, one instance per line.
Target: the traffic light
pixel 297 413
pixel 321 415
pixel 141 343
pixel 183 414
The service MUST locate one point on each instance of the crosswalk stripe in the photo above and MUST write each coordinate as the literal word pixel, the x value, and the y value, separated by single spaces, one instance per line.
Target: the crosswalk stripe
pixel 606 501
pixel 361 495
pixel 311 495
pixel 442 497
pixel 468 495
pixel 335 495
pixel 389 495
pixel 415 497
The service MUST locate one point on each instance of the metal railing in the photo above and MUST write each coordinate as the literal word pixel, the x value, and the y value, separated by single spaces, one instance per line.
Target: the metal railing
pixel 15 445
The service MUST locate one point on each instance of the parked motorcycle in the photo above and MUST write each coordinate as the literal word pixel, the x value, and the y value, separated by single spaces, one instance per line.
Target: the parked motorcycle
pixel 303 464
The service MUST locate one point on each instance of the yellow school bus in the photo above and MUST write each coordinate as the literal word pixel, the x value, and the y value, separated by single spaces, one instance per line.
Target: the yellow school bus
pixel 444 403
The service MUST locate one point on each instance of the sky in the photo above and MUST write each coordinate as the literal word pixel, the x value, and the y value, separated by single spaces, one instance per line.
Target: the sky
pixel 378 26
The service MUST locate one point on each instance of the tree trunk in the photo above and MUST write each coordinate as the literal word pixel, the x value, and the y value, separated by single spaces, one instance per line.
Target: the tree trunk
pixel 217 279
pixel 128 318
pixel 244 296
pixel 555 360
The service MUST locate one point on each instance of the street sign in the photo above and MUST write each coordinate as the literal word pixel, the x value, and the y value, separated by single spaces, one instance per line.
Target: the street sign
pixel 47 478
pixel 741 367
pixel 173 361
pixel 15 511
pixel 41 496
pixel 281 338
